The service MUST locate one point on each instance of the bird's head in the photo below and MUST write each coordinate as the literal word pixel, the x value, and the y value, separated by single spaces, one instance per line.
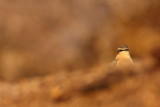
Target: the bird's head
pixel 123 48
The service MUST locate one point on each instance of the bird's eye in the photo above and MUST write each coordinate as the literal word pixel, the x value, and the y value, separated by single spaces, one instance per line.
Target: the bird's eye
pixel 126 49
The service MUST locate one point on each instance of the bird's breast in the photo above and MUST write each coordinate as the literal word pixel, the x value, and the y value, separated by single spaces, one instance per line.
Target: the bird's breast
pixel 125 63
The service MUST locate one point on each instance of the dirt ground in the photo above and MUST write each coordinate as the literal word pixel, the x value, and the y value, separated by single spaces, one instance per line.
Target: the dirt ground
pixel 96 87
pixel 57 53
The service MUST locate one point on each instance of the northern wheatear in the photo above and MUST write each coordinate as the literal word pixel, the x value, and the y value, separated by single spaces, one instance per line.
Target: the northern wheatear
pixel 123 59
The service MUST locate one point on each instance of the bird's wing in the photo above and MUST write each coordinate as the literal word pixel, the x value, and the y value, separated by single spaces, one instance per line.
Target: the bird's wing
pixel 113 64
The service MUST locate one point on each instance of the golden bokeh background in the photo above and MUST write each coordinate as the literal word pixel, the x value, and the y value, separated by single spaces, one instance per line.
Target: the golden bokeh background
pixel 44 38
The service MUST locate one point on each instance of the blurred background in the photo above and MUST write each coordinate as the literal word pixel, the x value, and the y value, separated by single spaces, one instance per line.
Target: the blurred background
pixel 60 37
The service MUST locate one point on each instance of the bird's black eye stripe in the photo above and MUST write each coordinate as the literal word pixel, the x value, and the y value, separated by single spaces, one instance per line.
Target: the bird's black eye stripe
pixel 120 50
pixel 126 50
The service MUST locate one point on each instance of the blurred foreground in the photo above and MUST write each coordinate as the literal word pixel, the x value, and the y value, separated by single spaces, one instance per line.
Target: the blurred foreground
pixel 96 87
pixel 57 53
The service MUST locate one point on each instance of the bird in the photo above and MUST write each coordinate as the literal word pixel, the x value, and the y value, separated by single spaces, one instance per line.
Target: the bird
pixel 123 59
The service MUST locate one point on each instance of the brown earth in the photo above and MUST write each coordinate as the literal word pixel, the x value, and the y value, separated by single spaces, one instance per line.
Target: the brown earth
pixel 58 52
